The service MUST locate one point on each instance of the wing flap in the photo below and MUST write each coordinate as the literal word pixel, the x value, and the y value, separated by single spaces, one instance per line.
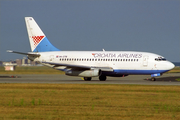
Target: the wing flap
pixel 68 65
pixel 79 66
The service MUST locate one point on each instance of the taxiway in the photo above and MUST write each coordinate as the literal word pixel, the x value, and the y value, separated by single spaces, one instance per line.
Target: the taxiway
pixel 166 79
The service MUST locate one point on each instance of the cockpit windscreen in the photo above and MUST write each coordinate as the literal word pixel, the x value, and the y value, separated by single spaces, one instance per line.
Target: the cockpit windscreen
pixel 160 59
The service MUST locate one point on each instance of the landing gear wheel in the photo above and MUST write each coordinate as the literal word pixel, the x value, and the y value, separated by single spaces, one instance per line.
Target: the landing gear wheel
pixel 87 78
pixel 153 79
pixel 102 78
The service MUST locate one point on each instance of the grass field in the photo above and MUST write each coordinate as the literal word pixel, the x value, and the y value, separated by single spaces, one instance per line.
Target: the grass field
pixel 31 70
pixel 175 70
pixel 82 102
pixel 79 101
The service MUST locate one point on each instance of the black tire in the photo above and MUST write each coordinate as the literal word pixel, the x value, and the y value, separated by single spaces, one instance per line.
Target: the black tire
pixel 153 79
pixel 87 78
pixel 102 78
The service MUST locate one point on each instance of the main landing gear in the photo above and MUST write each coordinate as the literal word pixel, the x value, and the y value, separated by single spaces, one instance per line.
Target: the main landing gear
pixel 101 78
pixel 87 78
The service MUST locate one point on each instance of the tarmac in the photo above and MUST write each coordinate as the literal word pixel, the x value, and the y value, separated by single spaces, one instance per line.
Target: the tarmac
pixel 165 79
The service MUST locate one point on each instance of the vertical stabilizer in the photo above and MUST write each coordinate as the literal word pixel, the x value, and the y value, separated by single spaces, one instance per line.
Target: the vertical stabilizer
pixel 38 40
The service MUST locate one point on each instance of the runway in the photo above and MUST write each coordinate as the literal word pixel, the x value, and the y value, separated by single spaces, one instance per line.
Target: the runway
pixel 166 79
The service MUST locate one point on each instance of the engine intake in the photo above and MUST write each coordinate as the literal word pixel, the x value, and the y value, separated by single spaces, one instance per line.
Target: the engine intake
pixel 84 73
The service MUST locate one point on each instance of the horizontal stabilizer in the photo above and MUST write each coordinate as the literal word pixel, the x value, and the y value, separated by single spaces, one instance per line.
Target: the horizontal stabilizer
pixel 29 53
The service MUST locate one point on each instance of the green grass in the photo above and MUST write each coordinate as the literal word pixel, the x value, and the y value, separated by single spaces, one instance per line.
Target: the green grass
pixel 175 70
pixel 79 102
pixel 31 70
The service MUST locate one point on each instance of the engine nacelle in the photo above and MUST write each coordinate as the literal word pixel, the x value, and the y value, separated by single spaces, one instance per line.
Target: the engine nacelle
pixel 84 73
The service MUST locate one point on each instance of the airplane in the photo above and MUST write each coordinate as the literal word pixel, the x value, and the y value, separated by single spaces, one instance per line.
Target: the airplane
pixel 88 64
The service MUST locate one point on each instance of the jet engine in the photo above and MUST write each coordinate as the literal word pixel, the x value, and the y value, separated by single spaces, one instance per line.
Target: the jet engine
pixel 84 73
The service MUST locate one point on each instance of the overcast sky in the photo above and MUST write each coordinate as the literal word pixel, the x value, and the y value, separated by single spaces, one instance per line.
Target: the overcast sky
pixel 91 25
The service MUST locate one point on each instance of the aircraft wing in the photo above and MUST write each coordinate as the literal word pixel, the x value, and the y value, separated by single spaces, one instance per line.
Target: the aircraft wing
pixel 79 66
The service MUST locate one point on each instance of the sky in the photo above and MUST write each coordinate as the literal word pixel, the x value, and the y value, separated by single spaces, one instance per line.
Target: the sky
pixel 92 25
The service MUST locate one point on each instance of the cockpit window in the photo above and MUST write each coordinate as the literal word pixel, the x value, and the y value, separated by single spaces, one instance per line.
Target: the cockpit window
pixel 160 59
pixel 163 59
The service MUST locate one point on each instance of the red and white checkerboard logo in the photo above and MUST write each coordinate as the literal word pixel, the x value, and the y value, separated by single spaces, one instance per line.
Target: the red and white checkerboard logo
pixel 37 39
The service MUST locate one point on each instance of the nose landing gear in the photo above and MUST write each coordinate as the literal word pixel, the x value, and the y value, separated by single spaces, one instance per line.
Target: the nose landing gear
pixel 153 79
pixel 155 75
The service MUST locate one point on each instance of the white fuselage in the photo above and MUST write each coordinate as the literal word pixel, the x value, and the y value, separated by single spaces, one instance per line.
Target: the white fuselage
pixel 122 62
pixel 89 64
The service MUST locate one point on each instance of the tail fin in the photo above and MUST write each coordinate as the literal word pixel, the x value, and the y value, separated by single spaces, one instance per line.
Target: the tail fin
pixel 38 40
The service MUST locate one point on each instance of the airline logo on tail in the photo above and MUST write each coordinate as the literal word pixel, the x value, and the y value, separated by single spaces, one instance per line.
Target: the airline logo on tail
pixel 37 39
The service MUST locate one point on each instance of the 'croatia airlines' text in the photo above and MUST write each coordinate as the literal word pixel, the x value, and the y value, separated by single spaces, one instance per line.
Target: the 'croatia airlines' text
pixel 114 55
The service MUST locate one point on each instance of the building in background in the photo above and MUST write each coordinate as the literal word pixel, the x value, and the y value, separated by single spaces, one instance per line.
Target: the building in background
pixel 20 62
pixel 9 66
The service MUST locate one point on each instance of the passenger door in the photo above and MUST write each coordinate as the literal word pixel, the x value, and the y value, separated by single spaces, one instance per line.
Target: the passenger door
pixel 145 61
pixel 51 57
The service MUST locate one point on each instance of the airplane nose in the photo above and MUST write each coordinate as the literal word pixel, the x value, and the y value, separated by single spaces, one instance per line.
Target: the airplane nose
pixel 170 66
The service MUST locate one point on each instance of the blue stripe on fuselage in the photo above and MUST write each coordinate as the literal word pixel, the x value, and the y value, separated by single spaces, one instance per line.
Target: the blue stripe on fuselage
pixel 140 71
pixel 120 73
pixel 45 46
pixel 133 72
